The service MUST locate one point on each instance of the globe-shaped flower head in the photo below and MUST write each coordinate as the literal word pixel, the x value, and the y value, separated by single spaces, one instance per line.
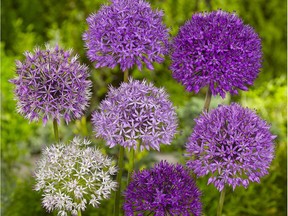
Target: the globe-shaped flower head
pixel 73 176
pixel 136 111
pixel 218 50
pixel 126 32
pixel 51 83
pixel 232 144
pixel 165 189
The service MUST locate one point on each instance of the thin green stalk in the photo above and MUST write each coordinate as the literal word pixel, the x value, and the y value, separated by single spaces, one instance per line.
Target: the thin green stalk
pixel 79 213
pixel 221 202
pixel 119 178
pixel 207 100
pixel 126 74
pixel 84 126
pixel 131 165
pixel 55 127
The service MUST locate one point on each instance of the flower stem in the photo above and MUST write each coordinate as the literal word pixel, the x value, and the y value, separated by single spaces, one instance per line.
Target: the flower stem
pixel 55 126
pixel 126 74
pixel 131 165
pixel 79 213
pixel 207 100
pixel 221 201
pixel 119 178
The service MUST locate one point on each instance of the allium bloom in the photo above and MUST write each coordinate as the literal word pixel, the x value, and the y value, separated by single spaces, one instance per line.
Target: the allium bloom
pixel 218 50
pixel 126 32
pixel 232 144
pixel 165 189
pixel 136 111
pixel 73 176
pixel 52 84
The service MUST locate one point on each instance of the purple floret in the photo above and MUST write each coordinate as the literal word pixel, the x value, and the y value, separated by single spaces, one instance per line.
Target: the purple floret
pixel 136 112
pixel 51 83
pixel 165 189
pixel 126 32
pixel 232 144
pixel 216 49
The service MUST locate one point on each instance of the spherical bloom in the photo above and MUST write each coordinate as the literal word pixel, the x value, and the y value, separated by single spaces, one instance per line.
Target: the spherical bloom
pixel 73 176
pixel 218 50
pixel 136 112
pixel 126 32
pixel 232 144
pixel 165 189
pixel 52 84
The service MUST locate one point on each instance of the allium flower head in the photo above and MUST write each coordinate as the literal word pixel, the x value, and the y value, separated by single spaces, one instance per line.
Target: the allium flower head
pixel 232 144
pixel 74 176
pixel 126 32
pixel 51 83
pixel 165 189
pixel 136 111
pixel 216 49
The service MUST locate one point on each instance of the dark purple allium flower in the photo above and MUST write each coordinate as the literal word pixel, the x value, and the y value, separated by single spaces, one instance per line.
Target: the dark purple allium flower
pixel 218 50
pixel 136 112
pixel 165 189
pixel 233 144
pixel 52 84
pixel 126 32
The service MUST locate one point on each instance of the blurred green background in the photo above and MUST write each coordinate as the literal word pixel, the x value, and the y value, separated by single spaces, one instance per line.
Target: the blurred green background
pixel 33 22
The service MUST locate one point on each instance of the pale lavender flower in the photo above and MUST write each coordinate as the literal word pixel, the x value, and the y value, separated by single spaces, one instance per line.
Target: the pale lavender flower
pixel 165 189
pixel 126 32
pixel 136 112
pixel 216 49
pixel 232 144
pixel 51 83
pixel 72 176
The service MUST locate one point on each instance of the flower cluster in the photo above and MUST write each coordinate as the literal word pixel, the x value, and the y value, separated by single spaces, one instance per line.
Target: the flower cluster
pixel 233 144
pixel 218 50
pixel 165 189
pixel 136 111
pixel 73 176
pixel 126 32
pixel 52 84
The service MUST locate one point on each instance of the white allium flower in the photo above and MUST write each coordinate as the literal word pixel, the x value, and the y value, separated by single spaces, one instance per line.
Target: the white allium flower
pixel 74 175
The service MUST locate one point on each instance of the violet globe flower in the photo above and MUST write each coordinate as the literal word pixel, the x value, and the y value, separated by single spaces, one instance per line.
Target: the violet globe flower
pixel 51 83
pixel 126 32
pixel 165 189
pixel 73 176
pixel 216 49
pixel 232 144
pixel 136 112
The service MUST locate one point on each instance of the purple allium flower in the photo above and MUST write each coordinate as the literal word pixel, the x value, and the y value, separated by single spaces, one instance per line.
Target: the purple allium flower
pixel 126 32
pixel 232 144
pixel 165 189
pixel 73 176
pixel 52 84
pixel 218 50
pixel 136 112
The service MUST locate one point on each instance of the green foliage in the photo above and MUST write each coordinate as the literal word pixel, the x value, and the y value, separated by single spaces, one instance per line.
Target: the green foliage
pixel 32 22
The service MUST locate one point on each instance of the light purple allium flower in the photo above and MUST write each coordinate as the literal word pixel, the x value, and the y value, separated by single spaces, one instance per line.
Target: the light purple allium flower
pixel 126 32
pixel 165 189
pixel 218 50
pixel 52 84
pixel 73 176
pixel 136 112
pixel 232 144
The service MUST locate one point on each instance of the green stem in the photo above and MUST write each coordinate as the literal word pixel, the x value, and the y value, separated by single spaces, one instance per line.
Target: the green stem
pixel 119 178
pixel 84 126
pixel 55 126
pixel 126 74
pixel 221 202
pixel 207 100
pixel 131 165
pixel 79 213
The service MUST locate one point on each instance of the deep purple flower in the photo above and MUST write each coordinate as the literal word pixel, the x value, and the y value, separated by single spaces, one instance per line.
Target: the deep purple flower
pixel 165 189
pixel 52 84
pixel 136 112
pixel 218 50
pixel 232 144
pixel 126 32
